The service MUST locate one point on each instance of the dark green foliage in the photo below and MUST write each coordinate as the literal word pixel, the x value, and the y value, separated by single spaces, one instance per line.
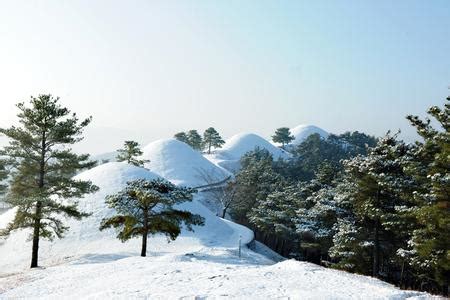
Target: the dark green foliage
pixel 376 182
pixel 310 154
pixel 212 139
pixel 254 182
pixel 430 167
pixel 283 136
pixel 182 137
pixel 146 208
pixel 195 140
pixel 43 167
pixel 192 138
pixel 131 153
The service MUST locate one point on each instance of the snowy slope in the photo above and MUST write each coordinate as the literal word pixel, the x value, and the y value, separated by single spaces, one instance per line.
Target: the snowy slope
pixel 84 238
pixel 302 132
pixel 236 146
pixel 179 163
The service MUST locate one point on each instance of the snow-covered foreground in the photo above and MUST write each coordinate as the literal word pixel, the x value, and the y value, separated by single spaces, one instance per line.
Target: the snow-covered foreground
pixel 208 273
pixel 91 264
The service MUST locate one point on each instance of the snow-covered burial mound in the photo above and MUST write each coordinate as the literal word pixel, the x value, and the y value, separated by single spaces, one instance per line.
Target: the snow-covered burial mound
pixel 236 146
pixel 302 132
pixel 180 164
pixel 85 240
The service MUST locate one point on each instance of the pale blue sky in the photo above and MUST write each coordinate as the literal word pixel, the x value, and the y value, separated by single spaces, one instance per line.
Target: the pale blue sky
pixel 147 69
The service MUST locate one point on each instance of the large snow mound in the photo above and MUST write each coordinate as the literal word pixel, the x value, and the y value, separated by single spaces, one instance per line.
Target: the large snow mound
pixel 239 144
pixel 84 238
pixel 236 146
pixel 302 132
pixel 179 163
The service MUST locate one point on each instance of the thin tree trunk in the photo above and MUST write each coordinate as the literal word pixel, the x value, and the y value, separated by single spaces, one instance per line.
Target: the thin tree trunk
pixel 37 216
pixel 36 231
pixel 144 235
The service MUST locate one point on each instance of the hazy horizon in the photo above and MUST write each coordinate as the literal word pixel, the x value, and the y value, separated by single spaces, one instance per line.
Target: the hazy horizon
pixel 146 70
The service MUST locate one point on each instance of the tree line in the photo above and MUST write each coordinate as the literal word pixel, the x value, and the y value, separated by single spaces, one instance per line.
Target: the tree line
pixel 376 207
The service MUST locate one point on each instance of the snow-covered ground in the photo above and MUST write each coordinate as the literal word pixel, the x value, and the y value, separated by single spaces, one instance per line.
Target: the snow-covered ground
pixel 203 264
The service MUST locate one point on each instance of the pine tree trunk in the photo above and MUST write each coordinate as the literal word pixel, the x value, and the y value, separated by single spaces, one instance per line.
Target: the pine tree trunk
pixel 36 227
pixel 144 244
pixel 144 235
pixel 37 216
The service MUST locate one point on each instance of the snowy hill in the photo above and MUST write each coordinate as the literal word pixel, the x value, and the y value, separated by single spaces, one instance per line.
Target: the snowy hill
pixel 88 263
pixel 302 132
pixel 84 239
pixel 179 163
pixel 236 146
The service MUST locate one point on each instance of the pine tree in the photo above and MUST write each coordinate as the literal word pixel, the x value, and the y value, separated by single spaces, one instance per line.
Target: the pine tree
pixel 254 182
pixel 375 185
pixel 43 166
pixel 131 153
pixel 182 137
pixel 211 138
pixel 194 139
pixel 283 136
pixel 146 208
pixel 430 167
pixel 318 211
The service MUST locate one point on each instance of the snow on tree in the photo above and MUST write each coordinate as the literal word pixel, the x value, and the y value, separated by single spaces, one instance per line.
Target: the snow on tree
pixel 283 135
pixel 43 166
pixel 254 182
pixel 147 208
pixel 429 245
pixel 212 139
pixel 130 153
pixel 373 191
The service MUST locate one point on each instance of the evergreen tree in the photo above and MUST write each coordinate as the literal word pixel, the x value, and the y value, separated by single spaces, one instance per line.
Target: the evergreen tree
pixel 182 137
pixel 43 168
pixel 211 138
pixel 283 136
pixel 255 181
pixel 194 139
pixel 430 242
pixel 374 194
pixel 317 213
pixel 146 208
pixel 131 153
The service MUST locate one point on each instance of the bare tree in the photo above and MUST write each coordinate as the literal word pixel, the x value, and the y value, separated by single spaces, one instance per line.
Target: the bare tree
pixel 221 191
